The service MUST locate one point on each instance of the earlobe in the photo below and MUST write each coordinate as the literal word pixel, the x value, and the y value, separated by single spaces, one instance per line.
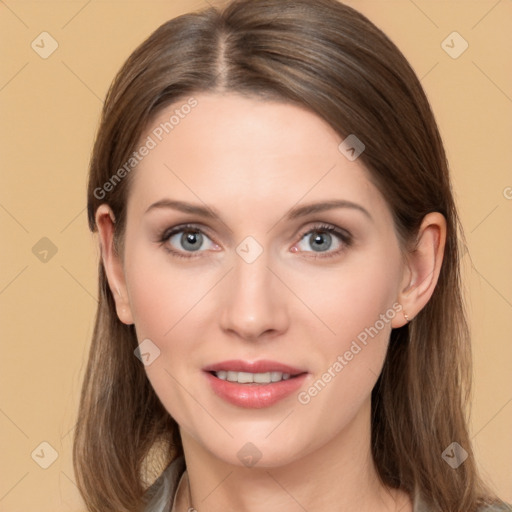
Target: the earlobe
pixel 112 263
pixel 423 267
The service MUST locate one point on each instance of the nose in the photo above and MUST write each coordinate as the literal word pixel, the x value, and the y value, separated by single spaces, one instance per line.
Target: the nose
pixel 253 301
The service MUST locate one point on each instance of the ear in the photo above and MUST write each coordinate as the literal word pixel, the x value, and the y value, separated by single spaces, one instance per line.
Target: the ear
pixel 423 266
pixel 112 263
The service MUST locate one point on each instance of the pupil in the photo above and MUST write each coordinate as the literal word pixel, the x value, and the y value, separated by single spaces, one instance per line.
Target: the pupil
pixel 191 238
pixel 320 243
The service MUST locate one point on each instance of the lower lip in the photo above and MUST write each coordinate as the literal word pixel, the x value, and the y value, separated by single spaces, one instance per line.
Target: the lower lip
pixel 254 396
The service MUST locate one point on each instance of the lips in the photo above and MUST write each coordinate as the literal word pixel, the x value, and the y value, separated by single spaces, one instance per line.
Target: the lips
pixel 262 366
pixel 254 395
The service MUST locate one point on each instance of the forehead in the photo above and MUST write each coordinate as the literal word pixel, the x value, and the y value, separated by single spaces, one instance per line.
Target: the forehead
pixel 229 148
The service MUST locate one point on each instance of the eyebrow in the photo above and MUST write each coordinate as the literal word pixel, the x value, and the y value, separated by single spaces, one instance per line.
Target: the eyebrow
pixel 294 213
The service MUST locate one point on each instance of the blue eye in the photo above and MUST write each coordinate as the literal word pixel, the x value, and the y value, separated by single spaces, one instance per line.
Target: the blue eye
pixel 321 239
pixel 185 240
pixel 190 240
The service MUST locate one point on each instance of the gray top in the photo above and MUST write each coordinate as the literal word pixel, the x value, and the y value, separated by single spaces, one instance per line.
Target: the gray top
pixel 162 492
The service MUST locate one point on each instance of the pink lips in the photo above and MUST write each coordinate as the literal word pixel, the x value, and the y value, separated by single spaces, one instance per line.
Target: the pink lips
pixel 255 396
pixel 262 366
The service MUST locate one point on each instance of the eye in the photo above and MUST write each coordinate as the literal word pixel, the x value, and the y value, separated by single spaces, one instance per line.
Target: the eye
pixel 181 240
pixel 326 239
pixel 185 240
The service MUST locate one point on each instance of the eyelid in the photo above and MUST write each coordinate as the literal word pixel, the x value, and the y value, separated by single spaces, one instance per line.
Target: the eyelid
pixel 187 226
pixel 325 226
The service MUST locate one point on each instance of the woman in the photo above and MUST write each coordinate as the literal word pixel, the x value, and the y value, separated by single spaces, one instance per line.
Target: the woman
pixel 280 323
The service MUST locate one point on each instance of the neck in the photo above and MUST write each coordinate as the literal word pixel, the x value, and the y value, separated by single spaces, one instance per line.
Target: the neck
pixel 338 476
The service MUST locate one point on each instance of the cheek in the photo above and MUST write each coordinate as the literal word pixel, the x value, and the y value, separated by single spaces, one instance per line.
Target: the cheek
pixel 352 297
pixel 160 294
pixel 152 303
pixel 357 303
pixel 160 301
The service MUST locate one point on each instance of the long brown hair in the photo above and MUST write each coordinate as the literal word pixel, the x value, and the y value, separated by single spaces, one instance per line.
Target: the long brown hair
pixel 329 58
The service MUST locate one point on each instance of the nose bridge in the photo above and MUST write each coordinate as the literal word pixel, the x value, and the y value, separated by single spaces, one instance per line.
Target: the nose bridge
pixel 252 303
pixel 252 279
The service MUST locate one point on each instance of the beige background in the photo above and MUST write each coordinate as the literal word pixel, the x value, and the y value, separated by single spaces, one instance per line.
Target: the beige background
pixel 50 109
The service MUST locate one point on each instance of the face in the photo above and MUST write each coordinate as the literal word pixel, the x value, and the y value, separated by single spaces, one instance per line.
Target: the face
pixel 257 277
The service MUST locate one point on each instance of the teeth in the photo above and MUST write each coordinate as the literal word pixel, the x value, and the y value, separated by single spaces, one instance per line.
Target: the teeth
pixel 277 376
pixel 247 378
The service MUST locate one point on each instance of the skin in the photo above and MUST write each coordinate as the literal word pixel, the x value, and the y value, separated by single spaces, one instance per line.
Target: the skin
pixel 252 161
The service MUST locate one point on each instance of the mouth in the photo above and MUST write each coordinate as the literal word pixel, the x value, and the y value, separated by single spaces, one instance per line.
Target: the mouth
pixel 253 372
pixel 253 378
pixel 254 384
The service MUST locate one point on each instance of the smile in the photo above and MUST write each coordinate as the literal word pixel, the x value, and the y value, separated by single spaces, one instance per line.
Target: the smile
pixel 268 383
pixel 250 378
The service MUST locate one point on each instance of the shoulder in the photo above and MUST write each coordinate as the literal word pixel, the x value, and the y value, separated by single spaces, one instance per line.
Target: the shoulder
pixel 420 505
pixel 160 495
pixel 496 508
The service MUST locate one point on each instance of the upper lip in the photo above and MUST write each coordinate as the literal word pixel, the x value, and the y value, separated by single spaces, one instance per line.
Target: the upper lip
pixel 262 366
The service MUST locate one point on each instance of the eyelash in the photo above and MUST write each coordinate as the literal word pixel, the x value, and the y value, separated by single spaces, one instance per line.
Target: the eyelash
pixel 344 237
